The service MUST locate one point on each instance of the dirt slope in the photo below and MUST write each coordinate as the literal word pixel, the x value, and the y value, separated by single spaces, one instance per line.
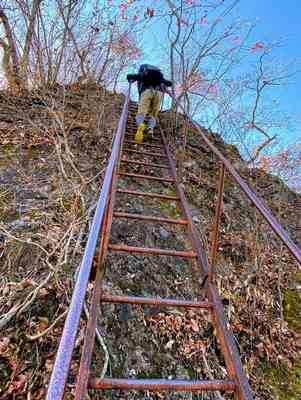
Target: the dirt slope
pixel 54 148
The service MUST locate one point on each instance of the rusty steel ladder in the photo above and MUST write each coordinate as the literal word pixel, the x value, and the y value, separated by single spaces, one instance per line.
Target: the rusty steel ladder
pixel 236 381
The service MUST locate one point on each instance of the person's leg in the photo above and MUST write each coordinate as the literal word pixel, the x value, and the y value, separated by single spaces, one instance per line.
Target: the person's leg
pixel 144 106
pixel 154 109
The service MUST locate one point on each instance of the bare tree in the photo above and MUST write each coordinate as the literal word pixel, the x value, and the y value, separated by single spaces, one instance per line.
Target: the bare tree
pixel 64 41
pixel 15 63
pixel 210 55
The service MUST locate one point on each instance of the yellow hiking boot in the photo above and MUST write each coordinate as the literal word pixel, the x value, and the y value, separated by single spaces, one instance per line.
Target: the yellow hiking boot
pixel 139 133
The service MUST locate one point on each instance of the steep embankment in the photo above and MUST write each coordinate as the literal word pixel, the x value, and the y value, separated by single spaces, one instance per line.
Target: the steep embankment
pixel 54 148
pixel 259 281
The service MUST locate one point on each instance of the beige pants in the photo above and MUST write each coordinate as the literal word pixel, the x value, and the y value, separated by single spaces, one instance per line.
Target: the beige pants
pixel 150 103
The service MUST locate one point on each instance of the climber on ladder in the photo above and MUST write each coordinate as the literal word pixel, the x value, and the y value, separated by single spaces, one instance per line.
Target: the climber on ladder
pixel 151 82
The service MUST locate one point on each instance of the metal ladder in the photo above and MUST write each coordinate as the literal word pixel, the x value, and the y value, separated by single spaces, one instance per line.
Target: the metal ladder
pixel 99 236
pixel 157 148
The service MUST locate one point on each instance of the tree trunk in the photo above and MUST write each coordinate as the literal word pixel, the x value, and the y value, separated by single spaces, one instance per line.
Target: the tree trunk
pixel 10 62
pixel 16 68
pixel 28 41
pixel 12 77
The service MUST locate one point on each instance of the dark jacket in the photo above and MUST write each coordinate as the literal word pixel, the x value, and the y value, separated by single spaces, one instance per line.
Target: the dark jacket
pixel 153 80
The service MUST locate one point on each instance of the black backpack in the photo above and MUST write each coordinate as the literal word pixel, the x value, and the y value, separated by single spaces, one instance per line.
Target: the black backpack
pixel 145 69
pixel 150 73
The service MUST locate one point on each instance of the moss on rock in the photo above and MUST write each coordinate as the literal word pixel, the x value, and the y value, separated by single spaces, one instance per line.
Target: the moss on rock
pixel 171 208
pixel 292 309
pixel 7 211
pixel 285 381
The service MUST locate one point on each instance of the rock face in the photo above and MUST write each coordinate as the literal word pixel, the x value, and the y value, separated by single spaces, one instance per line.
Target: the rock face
pixel 54 149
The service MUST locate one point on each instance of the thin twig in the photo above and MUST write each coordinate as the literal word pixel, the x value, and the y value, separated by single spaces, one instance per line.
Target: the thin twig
pixel 39 335
pixel 82 231
pixel 17 309
pixel 102 344
pixel 28 241
pixel 217 394
pixel 98 336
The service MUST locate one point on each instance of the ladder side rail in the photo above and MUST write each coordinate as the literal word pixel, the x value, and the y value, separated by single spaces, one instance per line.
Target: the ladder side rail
pixel 249 192
pixel 61 367
pixel 225 336
pixel 87 351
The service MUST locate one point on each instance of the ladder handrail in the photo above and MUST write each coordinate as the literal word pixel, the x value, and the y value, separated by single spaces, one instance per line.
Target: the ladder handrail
pixel 224 334
pixel 64 353
pixel 249 191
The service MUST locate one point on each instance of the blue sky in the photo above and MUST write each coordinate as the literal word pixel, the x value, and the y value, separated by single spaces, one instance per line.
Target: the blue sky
pixel 274 20
pixel 281 19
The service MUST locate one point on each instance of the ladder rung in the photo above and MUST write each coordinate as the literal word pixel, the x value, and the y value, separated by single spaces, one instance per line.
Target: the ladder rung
pixel 153 251
pixel 162 384
pixel 146 138
pixel 148 194
pixel 150 218
pixel 145 153
pixel 154 178
pixel 108 298
pixel 125 160
pixel 144 144
pixel 133 124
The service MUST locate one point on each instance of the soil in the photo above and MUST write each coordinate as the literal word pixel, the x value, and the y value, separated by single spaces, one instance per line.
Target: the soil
pixel 54 148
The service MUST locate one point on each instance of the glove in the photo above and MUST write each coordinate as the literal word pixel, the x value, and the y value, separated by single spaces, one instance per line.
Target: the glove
pixel 131 78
